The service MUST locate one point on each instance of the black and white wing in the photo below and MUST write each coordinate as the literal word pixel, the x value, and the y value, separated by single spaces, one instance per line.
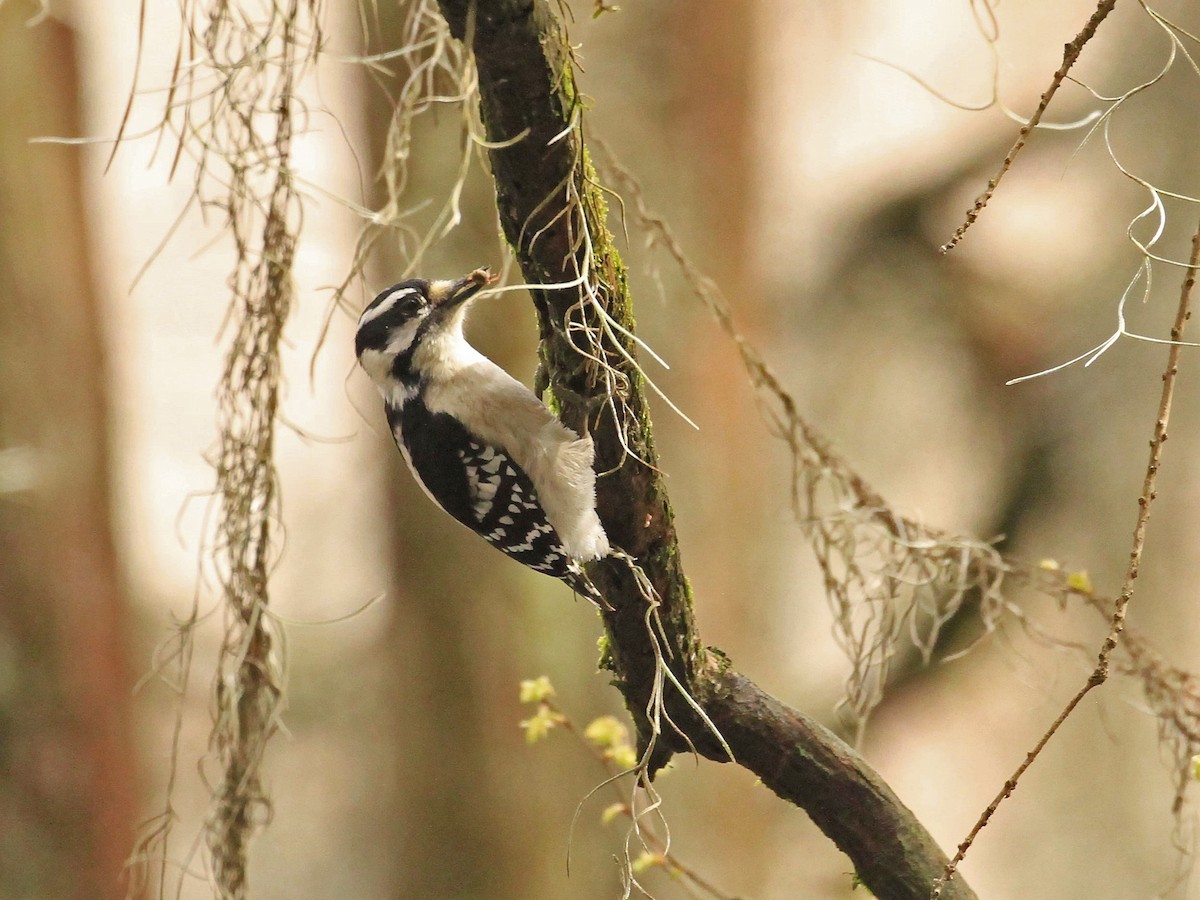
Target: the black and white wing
pixel 485 489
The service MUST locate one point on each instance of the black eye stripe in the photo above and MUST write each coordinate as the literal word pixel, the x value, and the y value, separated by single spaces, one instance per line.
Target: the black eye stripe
pixel 391 310
pixel 396 305
pixel 402 296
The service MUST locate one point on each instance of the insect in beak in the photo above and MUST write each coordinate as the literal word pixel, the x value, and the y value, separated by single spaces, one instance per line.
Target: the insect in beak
pixel 448 294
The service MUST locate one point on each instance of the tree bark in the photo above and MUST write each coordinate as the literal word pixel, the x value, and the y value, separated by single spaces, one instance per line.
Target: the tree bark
pixel 547 195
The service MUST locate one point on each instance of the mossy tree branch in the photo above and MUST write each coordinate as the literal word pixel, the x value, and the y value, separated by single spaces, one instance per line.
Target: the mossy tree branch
pixel 548 198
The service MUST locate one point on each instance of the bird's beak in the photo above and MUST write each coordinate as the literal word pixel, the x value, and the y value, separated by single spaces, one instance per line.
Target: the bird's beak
pixel 448 294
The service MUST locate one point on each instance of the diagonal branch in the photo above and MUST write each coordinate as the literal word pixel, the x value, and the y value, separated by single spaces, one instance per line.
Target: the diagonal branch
pixel 553 214
pixel 1117 622
pixel 1070 54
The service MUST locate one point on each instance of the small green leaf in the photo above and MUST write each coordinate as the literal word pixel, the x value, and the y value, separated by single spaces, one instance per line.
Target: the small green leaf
pixel 623 756
pixel 536 690
pixel 606 732
pixel 1079 581
pixel 612 811
pixel 539 726
pixel 645 861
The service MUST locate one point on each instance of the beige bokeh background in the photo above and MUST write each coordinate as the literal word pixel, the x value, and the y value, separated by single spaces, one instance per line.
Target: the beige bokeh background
pixel 815 184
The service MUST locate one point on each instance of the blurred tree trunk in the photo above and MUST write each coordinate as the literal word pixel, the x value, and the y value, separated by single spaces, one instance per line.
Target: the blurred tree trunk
pixel 67 795
pixel 713 55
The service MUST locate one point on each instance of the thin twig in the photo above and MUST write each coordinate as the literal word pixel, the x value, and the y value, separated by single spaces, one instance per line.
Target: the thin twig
pixel 1117 623
pixel 1070 54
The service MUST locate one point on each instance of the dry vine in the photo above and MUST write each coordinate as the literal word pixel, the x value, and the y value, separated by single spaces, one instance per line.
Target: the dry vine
pixel 888 579
pixel 436 73
pixel 232 108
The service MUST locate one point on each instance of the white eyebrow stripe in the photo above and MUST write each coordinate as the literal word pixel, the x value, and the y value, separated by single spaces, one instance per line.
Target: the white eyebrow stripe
pixel 385 305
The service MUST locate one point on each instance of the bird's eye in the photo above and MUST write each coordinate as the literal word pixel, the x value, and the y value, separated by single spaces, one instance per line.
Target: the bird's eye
pixel 402 299
pixel 410 304
pixel 406 302
pixel 394 306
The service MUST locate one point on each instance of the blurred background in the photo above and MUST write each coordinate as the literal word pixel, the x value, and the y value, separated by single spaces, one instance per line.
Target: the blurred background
pixel 815 184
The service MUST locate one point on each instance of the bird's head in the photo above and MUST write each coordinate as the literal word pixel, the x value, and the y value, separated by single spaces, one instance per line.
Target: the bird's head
pixel 400 318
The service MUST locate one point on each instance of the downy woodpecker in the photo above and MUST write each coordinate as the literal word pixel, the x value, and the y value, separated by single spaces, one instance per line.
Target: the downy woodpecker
pixel 481 445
